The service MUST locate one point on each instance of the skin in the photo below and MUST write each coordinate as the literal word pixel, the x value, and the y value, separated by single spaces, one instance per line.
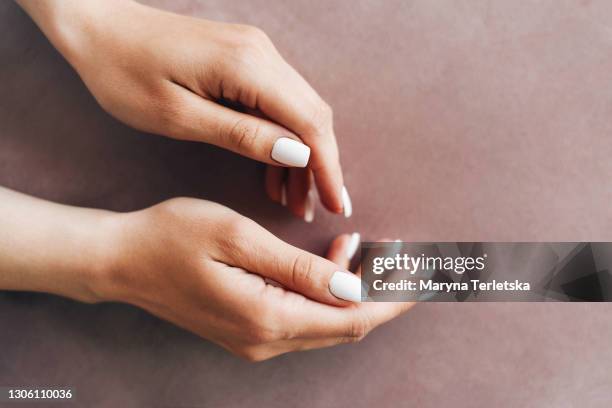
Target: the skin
pixel 178 76
pixel 195 263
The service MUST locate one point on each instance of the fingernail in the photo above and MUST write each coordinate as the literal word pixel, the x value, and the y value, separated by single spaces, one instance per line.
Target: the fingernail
pixel 284 195
pixel 353 244
pixel 290 152
pixel 345 285
pixel 309 206
pixel 346 203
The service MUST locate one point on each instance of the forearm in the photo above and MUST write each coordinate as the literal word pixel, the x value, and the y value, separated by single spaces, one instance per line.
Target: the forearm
pixel 66 22
pixel 48 247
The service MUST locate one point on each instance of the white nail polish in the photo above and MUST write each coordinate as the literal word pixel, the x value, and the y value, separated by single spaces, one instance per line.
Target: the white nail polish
pixel 309 206
pixel 290 152
pixel 284 195
pixel 346 203
pixel 345 285
pixel 353 244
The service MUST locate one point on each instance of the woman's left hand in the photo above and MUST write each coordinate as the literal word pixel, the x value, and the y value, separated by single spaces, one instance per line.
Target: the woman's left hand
pixel 200 80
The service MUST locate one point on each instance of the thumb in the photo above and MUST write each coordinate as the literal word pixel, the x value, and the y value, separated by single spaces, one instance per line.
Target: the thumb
pixel 257 138
pixel 300 271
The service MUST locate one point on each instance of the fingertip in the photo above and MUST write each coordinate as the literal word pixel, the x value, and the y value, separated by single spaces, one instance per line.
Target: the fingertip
pixel 329 185
pixel 290 152
pixel 337 251
pixel 275 183
pixel 332 202
pixel 345 285
pixel 353 245
pixel 299 198
pixel 283 199
pixel 310 205
pixel 347 203
pixel 343 248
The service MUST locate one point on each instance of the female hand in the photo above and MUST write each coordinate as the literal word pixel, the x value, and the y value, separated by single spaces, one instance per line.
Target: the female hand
pixel 200 80
pixel 207 268
pixel 194 263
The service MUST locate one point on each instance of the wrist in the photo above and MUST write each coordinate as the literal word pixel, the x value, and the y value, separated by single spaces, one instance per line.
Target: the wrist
pixel 101 277
pixel 81 263
pixel 69 24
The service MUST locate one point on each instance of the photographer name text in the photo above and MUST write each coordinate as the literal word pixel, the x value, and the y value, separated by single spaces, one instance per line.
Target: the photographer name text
pixel 430 285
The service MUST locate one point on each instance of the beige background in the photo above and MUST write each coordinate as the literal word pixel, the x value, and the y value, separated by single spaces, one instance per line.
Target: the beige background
pixel 457 120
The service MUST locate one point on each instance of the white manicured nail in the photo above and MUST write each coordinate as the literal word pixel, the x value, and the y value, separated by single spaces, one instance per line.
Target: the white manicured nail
pixel 345 285
pixel 353 244
pixel 284 195
pixel 309 206
pixel 346 203
pixel 290 152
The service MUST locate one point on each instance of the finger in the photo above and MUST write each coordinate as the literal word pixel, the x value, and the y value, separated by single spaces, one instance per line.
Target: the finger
pixel 288 346
pixel 260 139
pixel 270 350
pixel 260 252
pixel 343 248
pixel 292 103
pixel 341 323
pixel 305 318
pixel 300 194
pixel 275 184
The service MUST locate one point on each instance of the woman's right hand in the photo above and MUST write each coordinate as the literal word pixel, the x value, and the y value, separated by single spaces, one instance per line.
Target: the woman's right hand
pixel 206 268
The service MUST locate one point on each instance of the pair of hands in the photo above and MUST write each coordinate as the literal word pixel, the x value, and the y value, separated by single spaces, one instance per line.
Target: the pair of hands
pixel 193 262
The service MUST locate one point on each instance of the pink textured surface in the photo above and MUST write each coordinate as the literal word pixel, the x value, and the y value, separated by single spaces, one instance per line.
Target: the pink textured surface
pixel 457 120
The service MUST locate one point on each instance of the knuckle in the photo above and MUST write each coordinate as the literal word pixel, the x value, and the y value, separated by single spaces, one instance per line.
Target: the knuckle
pixel 250 45
pixel 244 134
pixel 260 334
pixel 173 208
pixel 236 225
pixel 253 34
pixel 235 236
pixel 358 329
pixel 169 116
pixel 322 119
pixel 263 326
pixel 235 230
pixel 302 271
pixel 245 55
pixel 326 111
